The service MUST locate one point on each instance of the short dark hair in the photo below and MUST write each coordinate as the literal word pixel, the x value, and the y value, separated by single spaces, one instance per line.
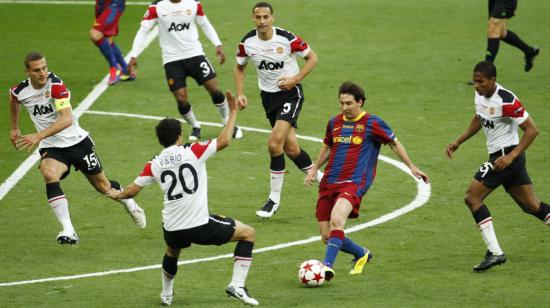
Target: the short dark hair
pixel 263 4
pixel 349 87
pixel 168 130
pixel 486 68
pixel 33 56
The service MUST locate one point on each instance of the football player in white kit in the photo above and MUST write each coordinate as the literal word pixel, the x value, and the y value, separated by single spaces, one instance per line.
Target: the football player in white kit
pixel 273 52
pixel 180 170
pixel 182 54
pixel 499 113
pixel 62 142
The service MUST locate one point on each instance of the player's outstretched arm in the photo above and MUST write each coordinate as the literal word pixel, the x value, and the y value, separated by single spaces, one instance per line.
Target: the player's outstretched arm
pixel 130 191
pixel 473 128
pixel 400 151
pixel 225 136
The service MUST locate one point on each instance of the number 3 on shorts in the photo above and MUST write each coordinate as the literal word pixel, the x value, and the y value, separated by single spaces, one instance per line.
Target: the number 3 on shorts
pixel 205 69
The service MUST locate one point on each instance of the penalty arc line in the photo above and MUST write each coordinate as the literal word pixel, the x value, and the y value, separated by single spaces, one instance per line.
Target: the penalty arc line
pixel 422 196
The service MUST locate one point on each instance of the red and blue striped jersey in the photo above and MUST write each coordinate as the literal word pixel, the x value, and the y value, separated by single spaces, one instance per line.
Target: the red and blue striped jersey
pixel 114 5
pixel 354 148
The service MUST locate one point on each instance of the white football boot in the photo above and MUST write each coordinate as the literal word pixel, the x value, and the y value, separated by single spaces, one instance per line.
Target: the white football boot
pixel 241 294
pixel 67 238
pixel 166 300
pixel 136 212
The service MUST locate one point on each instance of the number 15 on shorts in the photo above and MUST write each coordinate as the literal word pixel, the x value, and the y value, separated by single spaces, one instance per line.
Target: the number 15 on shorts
pixel 91 160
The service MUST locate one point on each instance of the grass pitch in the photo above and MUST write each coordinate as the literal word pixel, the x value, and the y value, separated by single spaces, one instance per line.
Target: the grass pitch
pixel 413 58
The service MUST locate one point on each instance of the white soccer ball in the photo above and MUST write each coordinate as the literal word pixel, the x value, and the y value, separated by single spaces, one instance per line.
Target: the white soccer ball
pixel 311 273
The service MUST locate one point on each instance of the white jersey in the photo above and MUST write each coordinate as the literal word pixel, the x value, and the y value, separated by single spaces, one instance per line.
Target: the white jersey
pixel 274 58
pixel 178 34
pixel 500 116
pixel 181 174
pixel 43 106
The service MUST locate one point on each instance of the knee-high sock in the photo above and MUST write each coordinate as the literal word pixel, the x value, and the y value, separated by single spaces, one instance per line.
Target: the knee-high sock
pixel 333 246
pixel 277 170
pixel 187 113
pixel 484 222
pixel 242 260
pixel 169 270
pixel 119 58
pixel 218 99
pixel 349 246
pixel 60 206
pixel 304 163
pixel 544 213
pixel 514 40
pixel 107 51
pixel 492 49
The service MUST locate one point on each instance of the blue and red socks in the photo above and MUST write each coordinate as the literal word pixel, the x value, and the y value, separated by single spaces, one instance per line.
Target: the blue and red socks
pixel 334 244
pixel 119 58
pixel 349 246
pixel 107 51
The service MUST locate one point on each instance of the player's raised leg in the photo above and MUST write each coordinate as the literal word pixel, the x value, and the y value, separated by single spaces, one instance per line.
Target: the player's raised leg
pixel 524 196
pixel 102 185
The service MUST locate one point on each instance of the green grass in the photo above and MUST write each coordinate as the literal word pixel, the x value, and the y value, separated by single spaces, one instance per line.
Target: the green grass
pixel 412 57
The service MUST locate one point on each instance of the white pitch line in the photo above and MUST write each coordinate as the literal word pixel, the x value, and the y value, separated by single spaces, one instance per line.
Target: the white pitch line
pixel 66 2
pixel 422 196
pixel 99 88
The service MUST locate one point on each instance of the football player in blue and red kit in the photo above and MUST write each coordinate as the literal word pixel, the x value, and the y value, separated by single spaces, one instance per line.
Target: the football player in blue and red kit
pixel 105 27
pixel 350 149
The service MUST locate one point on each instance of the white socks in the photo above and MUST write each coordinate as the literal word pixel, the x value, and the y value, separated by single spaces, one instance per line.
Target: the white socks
pixel 276 185
pixel 60 207
pixel 167 284
pixel 223 109
pixel 319 175
pixel 241 266
pixel 489 236
pixel 191 119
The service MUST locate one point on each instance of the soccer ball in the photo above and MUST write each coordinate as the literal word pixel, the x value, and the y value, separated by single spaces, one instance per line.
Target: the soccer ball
pixel 311 273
